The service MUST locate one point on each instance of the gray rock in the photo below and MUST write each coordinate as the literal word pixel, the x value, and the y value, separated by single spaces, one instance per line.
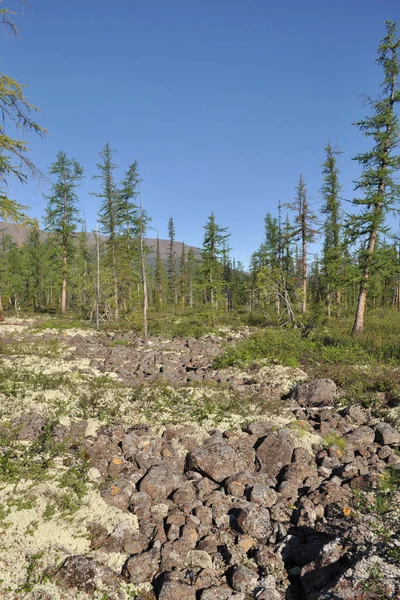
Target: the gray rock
pixel 176 590
pixel 275 452
pixel 218 461
pixel 386 435
pixel 320 392
pixel 85 574
pixel 243 579
pixel 159 482
pixel 255 521
pixel 142 568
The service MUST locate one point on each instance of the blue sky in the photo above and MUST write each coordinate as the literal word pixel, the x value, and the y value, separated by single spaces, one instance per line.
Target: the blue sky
pixel 222 102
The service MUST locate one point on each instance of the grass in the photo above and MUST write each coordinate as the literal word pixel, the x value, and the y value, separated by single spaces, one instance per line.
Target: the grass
pixel 366 366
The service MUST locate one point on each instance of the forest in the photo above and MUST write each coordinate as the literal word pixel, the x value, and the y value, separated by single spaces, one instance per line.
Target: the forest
pixel 356 268
pixel 176 425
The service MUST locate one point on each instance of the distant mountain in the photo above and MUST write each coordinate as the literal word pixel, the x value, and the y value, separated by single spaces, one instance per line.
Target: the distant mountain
pixel 19 234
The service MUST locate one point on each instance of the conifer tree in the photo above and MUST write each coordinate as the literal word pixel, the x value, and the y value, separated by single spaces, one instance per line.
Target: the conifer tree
pixel 160 278
pixel 62 212
pixel 190 271
pixel 171 269
pixel 332 260
pixel 379 165
pixel 182 276
pixel 108 214
pixel 14 162
pixel 303 231
pixel 212 252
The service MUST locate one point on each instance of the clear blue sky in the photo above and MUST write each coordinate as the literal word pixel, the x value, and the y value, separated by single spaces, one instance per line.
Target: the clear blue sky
pixel 222 102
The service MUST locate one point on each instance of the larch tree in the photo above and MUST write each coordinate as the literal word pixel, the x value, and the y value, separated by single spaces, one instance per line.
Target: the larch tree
pixel 171 265
pixel 16 122
pixel 62 212
pixel 108 214
pixel 377 183
pixel 332 259
pixel 215 237
pixel 304 231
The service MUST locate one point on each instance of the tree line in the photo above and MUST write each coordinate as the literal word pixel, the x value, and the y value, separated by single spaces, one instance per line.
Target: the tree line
pixel 358 263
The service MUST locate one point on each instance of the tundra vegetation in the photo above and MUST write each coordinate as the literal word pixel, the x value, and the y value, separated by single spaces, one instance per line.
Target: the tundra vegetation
pixel 178 427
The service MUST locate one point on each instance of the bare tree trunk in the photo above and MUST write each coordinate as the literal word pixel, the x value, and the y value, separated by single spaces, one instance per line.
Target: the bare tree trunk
pixel 1 311
pixel 97 278
pixel 304 274
pixel 64 262
pixel 144 279
pixel 114 266
pixel 358 326
pixel 64 283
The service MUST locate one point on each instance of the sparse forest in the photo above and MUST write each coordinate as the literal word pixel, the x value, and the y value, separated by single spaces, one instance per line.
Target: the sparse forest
pixel 176 425
pixel 356 269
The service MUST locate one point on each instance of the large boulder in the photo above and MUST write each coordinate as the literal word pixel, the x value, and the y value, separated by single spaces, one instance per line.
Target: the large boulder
pixel 85 574
pixel 320 392
pixel 275 452
pixel 386 435
pixel 218 461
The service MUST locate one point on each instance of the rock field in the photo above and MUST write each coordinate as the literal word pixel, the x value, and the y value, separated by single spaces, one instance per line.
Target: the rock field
pixel 141 472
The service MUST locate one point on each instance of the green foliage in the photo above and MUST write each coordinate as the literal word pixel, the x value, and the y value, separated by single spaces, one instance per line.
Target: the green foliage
pixel 332 439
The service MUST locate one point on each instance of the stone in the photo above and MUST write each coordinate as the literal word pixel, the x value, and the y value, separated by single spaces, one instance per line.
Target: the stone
pixel 159 482
pixel 275 452
pixel 265 496
pixel 217 461
pixel 360 437
pixel 85 574
pixel 176 590
pixel 320 392
pixel 142 568
pixel 243 579
pixel 355 414
pixel 386 435
pixel 254 521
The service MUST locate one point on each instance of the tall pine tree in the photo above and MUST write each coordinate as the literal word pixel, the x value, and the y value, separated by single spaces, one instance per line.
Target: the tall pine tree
pixel 379 164
pixel 62 212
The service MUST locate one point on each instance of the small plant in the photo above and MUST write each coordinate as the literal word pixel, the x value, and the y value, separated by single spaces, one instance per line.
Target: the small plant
pixel 332 439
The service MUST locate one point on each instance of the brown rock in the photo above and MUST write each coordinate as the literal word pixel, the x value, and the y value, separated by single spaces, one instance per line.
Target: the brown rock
pixel 85 574
pixel 255 521
pixel 275 452
pixel 321 392
pixel 386 435
pixel 243 579
pixel 218 461
pixel 159 482
pixel 142 568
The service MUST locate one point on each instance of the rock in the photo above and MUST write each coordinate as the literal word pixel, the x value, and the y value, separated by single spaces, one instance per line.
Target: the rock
pixel 360 437
pixel 28 427
pixel 142 568
pixel 98 535
pixel 159 482
pixel 263 495
pixel 217 461
pixel 85 574
pixel 355 414
pixel 118 494
pixel 255 521
pixel 275 452
pixel 386 435
pixel 220 593
pixel 320 392
pixel 243 579
pixel 176 590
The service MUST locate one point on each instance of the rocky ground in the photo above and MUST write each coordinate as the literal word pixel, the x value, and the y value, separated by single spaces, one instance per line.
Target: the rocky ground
pixel 132 471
